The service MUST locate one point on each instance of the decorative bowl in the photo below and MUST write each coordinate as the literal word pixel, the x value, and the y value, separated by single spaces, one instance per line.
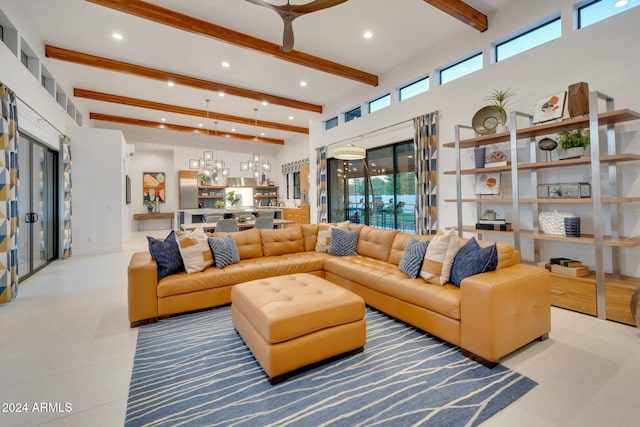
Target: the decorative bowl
pixel 487 119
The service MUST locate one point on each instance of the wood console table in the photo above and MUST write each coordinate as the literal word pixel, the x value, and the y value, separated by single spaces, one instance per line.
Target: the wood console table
pixel 153 216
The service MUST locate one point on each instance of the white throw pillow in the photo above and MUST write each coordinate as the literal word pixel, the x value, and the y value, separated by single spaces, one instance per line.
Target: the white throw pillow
pixel 324 235
pixel 195 250
pixel 438 259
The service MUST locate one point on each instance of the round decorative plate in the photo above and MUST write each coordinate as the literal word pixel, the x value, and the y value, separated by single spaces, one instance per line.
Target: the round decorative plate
pixel 487 119
pixel 547 144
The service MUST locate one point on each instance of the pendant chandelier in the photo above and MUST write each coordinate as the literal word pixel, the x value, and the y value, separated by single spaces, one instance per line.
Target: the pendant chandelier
pixel 210 171
pixel 254 164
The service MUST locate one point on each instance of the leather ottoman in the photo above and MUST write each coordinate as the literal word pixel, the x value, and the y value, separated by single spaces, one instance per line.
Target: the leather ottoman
pixel 292 321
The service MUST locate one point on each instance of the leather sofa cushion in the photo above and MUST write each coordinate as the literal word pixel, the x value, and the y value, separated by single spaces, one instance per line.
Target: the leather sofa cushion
pixel 244 271
pixel 248 242
pixel 400 243
pixel 385 278
pixel 280 242
pixel 375 242
pixel 310 235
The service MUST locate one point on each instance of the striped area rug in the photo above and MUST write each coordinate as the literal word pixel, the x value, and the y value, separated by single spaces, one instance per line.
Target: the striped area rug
pixel 194 370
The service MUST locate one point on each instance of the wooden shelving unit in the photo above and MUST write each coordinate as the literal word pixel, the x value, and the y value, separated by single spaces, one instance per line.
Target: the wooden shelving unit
pixel 604 295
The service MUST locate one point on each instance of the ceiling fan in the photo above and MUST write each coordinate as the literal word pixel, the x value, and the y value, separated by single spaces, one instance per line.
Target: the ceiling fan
pixel 289 12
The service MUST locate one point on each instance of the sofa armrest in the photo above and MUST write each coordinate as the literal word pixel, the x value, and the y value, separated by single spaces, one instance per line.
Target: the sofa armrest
pixel 143 281
pixel 504 309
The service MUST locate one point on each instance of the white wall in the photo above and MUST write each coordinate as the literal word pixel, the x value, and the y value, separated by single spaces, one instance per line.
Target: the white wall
pixel 601 55
pixel 97 190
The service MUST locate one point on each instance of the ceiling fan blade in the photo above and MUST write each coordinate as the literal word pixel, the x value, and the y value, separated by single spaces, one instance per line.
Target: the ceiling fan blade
pixel 315 6
pixel 264 4
pixel 287 37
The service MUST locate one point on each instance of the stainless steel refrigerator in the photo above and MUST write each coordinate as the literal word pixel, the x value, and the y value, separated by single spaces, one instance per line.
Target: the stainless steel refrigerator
pixel 189 193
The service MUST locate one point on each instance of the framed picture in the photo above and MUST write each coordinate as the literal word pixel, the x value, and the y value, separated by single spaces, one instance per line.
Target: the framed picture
pixel 127 189
pixel 153 186
pixel 549 108
pixel 487 183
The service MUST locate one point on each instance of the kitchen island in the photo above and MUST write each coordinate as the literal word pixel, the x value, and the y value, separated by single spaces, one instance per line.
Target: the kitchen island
pixel 197 215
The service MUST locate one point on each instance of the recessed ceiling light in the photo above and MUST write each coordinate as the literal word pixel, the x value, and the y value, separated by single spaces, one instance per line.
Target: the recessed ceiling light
pixel 163 119
pixel 290 117
pixel 367 34
pixel 303 83
pixel 225 64
pixel 199 125
pixel 262 134
pixel 621 3
pixel 171 84
pixel 233 129
pixel 117 36
pixel 265 103
pixel 220 94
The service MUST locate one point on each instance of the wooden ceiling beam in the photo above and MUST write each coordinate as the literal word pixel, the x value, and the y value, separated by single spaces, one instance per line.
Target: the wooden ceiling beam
pixel 151 105
pixel 462 12
pixel 179 128
pixel 183 22
pixel 166 76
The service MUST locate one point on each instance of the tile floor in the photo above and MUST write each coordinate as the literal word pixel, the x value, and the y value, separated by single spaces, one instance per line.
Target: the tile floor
pixel 66 339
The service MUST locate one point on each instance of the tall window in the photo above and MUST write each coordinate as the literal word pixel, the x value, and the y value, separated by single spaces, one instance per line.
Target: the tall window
pixel 529 39
pixel 296 185
pixel 383 198
pixel 599 10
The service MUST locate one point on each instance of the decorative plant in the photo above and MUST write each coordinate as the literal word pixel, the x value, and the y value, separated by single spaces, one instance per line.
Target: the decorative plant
pixel 489 214
pixel 558 191
pixel 232 198
pixel 219 204
pixel 500 98
pixel 204 179
pixel 573 138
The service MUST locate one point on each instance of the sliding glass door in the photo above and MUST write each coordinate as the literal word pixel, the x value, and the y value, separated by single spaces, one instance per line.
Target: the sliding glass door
pixel 382 196
pixel 37 206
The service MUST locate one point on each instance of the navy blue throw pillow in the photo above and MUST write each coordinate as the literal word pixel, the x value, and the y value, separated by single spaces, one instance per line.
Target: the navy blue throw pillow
pixel 224 250
pixel 343 242
pixel 166 254
pixel 411 261
pixel 472 259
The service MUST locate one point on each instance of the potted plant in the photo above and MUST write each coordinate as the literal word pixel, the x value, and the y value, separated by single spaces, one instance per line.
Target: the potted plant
pixel 489 214
pixel 500 99
pixel 573 143
pixel 219 204
pixel 232 198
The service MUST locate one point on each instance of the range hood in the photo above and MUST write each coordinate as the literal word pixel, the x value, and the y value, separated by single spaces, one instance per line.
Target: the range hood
pixel 232 181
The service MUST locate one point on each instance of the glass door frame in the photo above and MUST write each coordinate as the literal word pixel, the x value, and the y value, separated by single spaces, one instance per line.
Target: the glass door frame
pixel 43 195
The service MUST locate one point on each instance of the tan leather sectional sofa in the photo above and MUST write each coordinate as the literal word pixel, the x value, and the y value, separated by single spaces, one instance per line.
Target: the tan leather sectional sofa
pixel 489 316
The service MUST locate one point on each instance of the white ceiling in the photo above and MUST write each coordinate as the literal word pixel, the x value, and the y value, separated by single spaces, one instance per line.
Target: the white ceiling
pixel 401 29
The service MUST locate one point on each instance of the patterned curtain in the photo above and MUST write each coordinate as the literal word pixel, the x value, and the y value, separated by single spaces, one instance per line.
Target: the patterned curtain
pixel 426 148
pixel 8 196
pixel 292 167
pixel 321 163
pixel 66 180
